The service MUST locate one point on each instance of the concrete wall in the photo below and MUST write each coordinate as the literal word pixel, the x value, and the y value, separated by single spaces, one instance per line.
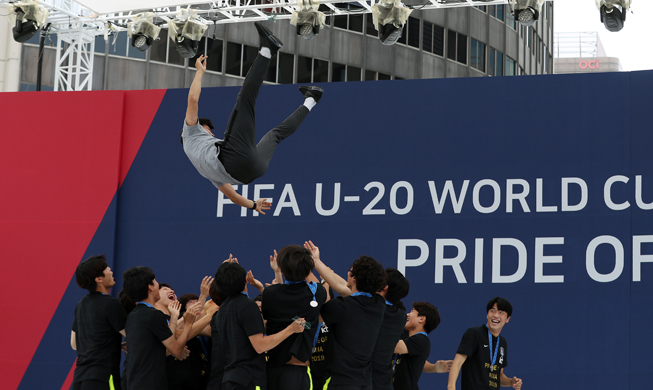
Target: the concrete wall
pixel 9 55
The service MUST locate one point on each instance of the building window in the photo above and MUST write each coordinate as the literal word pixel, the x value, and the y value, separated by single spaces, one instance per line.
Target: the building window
pixel 413 31
pixel 510 20
pixel 497 11
pixel 482 8
pixel 477 55
pixel 312 70
pixel 495 63
pixel 457 47
pixel 350 22
pixel 234 58
pixel 286 68
pixel 341 72
pixel 214 52
pixel 370 29
pixel 371 75
pixel 510 67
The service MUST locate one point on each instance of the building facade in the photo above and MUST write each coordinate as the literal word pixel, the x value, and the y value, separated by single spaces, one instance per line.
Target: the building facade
pixel 454 42
pixel 582 52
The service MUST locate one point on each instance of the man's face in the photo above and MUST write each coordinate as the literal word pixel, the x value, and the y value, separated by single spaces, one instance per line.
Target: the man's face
pixel 167 295
pixel 155 290
pixel 208 129
pixel 496 319
pixel 351 281
pixel 189 303
pixel 412 320
pixel 107 278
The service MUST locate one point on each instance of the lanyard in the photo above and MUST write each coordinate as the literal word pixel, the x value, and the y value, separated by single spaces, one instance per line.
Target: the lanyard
pixel 388 303
pixel 361 293
pixel 245 294
pixel 317 334
pixel 313 287
pixel 424 333
pixel 496 350
pixel 289 282
pixel 144 303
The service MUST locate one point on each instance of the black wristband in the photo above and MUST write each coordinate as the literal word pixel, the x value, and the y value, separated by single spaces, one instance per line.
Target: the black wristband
pixel 254 206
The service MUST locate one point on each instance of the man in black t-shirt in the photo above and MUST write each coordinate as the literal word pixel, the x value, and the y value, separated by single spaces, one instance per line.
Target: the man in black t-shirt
pixel 392 327
pixel 148 334
pixel 354 321
pixel 241 334
pixel 483 353
pixel 413 350
pixel 97 328
pixel 288 362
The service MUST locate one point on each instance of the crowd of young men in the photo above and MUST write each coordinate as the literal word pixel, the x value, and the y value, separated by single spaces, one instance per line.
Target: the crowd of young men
pixel 300 337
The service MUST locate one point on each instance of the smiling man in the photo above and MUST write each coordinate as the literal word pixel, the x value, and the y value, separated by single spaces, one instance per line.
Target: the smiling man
pixel 483 353
pixel 97 328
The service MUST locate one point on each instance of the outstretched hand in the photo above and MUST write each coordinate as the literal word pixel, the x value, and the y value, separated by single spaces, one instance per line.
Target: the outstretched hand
pixel 315 251
pixel 205 286
pixel 442 366
pixel 273 262
pixel 200 64
pixel 174 307
pixel 262 204
pixel 254 282
pixel 231 259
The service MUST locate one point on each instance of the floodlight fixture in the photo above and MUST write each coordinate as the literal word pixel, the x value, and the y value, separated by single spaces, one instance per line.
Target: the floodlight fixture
pixel 389 18
pixel 28 17
pixel 142 31
pixel 308 19
pixel 186 31
pixel 613 13
pixel 527 12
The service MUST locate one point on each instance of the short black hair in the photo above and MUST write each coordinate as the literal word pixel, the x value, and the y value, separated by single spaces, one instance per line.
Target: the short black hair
pixel 216 295
pixel 206 121
pixel 398 286
pixel 90 269
pixel 162 285
pixel 502 304
pixel 136 281
pixel 369 274
pixel 126 301
pixel 431 313
pixel 183 300
pixel 258 298
pixel 231 278
pixel 295 262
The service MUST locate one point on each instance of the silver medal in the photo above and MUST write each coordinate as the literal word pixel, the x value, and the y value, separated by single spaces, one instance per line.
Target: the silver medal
pixel 313 303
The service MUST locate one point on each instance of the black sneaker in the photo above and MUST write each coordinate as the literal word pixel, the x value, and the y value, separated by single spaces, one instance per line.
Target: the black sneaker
pixel 267 39
pixel 312 91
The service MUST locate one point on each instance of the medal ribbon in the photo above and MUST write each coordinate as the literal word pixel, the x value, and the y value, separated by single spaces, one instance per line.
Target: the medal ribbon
pixel 496 350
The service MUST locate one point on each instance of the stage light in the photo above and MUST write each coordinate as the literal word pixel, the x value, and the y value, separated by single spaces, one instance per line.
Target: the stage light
pixel 389 17
pixel 142 31
pixel 308 19
pixel 27 16
pixel 613 13
pixel 527 12
pixel 186 30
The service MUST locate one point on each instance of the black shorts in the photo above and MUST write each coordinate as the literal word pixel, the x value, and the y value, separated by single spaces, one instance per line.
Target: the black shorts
pixel 289 377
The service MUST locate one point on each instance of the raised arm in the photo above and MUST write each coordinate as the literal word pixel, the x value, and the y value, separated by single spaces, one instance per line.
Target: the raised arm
pixel 73 342
pixel 236 198
pixel 337 283
pixel 195 90
pixel 205 287
pixel 455 370
pixel 440 367
pixel 176 345
pixel 278 276
pixel 263 343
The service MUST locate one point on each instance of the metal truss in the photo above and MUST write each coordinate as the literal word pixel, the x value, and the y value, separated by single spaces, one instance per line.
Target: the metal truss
pixel 78 26
pixel 74 64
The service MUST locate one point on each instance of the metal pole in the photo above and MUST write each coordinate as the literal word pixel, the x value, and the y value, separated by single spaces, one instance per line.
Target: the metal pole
pixel 39 70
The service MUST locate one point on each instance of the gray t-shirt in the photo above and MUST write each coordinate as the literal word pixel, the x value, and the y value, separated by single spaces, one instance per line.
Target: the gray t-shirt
pixel 200 148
